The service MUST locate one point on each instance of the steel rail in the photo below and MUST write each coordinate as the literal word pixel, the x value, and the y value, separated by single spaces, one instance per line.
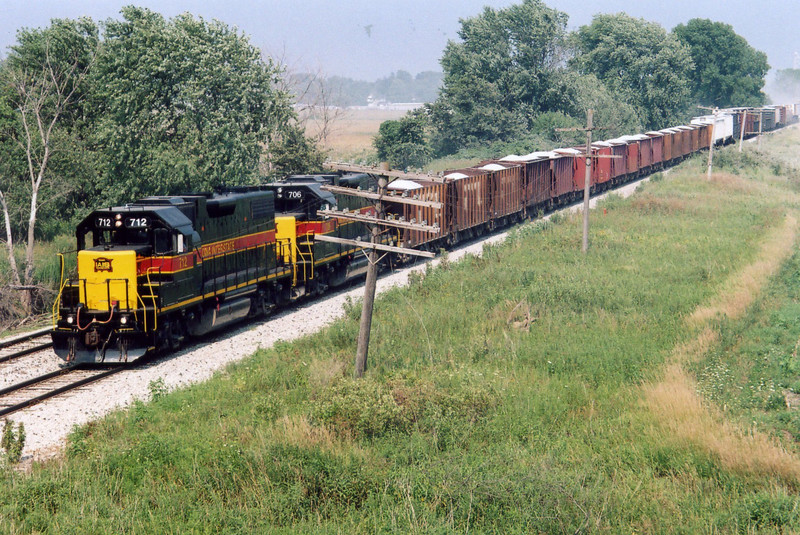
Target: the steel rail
pixel 50 393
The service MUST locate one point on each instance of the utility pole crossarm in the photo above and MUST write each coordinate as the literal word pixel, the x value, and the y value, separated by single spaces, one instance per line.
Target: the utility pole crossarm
pixel 372 220
pixel 378 197
pixel 378 246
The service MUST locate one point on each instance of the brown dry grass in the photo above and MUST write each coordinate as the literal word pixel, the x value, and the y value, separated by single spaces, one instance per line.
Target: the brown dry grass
pixel 297 430
pixel 742 288
pixel 675 402
pixel 677 407
pixel 353 133
pixel 731 182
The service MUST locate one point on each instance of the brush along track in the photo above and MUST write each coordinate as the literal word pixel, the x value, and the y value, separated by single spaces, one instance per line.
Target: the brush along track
pixel 20 346
pixel 28 393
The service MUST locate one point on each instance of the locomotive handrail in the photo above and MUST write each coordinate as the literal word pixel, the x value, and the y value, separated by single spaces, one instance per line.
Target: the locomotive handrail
pixel 62 284
pixel 307 257
pixel 127 295
pixel 144 312
pixel 153 297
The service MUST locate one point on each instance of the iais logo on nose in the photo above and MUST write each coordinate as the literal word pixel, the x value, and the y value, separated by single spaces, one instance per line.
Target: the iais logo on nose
pixel 103 264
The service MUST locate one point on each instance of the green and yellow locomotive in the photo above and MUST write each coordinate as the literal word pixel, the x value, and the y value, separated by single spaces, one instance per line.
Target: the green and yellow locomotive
pixel 151 273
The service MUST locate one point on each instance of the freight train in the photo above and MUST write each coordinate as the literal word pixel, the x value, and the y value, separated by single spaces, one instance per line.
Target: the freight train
pixel 152 273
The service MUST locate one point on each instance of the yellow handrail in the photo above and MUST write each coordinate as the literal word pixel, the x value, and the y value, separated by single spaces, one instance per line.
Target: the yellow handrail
pixel 62 283
pixel 153 297
pixel 144 311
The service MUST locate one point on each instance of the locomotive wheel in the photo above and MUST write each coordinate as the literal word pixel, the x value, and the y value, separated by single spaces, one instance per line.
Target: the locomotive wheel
pixel 175 334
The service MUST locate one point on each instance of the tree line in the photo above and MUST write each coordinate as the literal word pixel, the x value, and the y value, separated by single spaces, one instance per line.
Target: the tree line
pixel 399 86
pixel 515 74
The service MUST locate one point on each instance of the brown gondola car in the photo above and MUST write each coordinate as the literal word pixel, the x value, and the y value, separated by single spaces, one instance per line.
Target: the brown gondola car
pixel 577 166
pixel 468 199
pixel 538 178
pixel 685 136
pixel 657 145
pixel 667 137
pixel 425 190
pixel 506 187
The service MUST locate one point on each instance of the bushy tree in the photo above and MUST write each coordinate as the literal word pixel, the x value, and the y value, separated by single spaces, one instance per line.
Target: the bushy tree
pixel 727 70
pixel 404 142
pixel 182 105
pixel 640 63
pixel 496 77
pixel 579 93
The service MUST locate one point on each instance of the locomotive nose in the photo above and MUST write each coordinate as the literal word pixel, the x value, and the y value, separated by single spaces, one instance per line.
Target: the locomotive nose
pixel 108 278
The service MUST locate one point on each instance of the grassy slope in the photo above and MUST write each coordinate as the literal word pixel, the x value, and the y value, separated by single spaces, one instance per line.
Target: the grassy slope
pixel 505 395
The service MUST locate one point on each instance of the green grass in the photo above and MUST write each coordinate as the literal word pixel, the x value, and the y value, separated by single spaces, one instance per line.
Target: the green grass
pixel 471 418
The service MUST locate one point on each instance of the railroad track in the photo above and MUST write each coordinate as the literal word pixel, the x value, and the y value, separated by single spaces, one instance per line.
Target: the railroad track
pixel 29 393
pixel 19 346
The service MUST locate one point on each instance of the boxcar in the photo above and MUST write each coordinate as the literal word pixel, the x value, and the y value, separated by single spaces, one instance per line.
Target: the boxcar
pixel 618 164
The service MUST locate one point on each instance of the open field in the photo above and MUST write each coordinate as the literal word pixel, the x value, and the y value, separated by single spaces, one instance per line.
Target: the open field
pixel 351 136
pixel 648 386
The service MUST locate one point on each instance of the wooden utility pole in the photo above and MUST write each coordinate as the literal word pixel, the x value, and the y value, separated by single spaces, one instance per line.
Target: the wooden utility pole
pixel 744 124
pixel 588 180
pixel 375 223
pixel 741 130
pixel 362 348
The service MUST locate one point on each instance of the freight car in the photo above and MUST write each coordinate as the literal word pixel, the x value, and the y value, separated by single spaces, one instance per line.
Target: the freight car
pixel 153 272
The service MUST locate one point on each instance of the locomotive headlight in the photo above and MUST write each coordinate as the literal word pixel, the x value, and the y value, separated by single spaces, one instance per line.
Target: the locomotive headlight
pixel 123 320
pixel 70 319
pixel 118 223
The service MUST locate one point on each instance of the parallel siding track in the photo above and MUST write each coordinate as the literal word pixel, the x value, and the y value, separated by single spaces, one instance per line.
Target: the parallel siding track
pixel 28 393
pixel 19 346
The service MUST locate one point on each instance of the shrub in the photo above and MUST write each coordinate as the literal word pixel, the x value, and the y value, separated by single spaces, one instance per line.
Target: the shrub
pixel 13 442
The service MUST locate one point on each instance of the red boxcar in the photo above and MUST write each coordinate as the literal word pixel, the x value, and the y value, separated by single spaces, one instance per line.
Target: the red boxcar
pixel 619 162
pixel 578 167
pixel 601 166
pixel 632 154
pixel 645 145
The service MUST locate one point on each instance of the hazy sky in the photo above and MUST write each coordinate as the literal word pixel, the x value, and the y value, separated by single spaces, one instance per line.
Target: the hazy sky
pixel 371 39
